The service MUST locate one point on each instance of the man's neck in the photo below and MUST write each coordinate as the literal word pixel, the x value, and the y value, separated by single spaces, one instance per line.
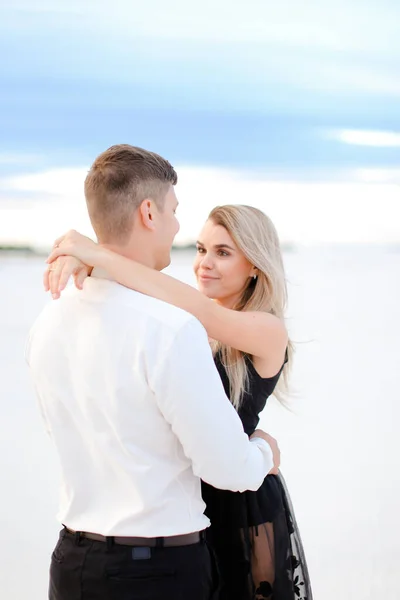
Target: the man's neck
pixel 137 252
pixel 134 252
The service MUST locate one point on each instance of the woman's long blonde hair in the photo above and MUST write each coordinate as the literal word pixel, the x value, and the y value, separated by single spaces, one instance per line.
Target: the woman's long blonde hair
pixel 256 237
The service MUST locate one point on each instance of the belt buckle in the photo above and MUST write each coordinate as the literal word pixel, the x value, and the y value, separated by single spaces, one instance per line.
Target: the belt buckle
pixel 141 553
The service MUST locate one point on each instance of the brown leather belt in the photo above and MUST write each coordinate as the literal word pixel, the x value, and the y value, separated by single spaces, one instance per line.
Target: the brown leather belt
pixel 175 540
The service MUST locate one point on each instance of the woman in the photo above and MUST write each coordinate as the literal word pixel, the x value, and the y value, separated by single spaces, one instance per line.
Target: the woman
pixel 240 275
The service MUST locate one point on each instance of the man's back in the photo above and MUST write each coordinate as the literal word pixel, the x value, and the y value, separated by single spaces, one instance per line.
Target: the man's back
pixel 95 357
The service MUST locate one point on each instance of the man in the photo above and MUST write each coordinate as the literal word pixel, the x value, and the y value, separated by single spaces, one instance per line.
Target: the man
pixel 130 395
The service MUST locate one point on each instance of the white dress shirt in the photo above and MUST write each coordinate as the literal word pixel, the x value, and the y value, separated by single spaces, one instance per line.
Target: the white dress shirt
pixel 130 395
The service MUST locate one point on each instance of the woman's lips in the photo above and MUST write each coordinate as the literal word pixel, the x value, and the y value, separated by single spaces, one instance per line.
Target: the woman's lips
pixel 207 277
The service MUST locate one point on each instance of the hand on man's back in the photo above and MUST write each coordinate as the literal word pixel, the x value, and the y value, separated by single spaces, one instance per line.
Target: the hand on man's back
pixel 276 453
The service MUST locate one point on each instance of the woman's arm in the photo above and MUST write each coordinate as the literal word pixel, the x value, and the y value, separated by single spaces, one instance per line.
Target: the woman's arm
pixel 259 334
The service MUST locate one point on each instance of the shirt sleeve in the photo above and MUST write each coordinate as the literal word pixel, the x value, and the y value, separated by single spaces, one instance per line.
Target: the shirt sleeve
pixel 190 394
pixel 27 354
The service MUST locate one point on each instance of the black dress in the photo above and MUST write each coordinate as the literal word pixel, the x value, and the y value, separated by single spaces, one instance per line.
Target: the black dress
pixel 254 534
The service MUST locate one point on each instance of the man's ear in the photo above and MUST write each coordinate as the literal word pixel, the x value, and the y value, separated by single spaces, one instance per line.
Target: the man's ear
pixel 146 212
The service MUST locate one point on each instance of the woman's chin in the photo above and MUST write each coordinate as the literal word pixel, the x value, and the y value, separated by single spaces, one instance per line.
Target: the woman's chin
pixel 206 290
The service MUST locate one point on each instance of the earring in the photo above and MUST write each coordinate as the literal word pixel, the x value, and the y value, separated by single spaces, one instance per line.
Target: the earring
pixel 254 276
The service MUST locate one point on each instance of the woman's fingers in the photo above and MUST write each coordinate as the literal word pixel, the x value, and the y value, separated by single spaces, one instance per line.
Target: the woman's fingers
pixel 54 278
pixel 60 245
pixel 71 234
pixel 62 264
pixel 75 245
pixel 56 253
pixel 58 273
pixel 69 268
pixel 80 277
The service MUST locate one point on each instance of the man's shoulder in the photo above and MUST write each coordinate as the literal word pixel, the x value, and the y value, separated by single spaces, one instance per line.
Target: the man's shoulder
pixel 165 315
pixel 129 305
pixel 140 306
pixel 52 308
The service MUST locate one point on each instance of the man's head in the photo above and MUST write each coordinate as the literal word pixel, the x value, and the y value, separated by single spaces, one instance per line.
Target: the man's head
pixel 131 203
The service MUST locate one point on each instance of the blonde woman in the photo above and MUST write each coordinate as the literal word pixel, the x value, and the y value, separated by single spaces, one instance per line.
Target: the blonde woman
pixel 240 301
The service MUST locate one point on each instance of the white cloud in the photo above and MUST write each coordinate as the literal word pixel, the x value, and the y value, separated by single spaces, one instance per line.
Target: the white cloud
pixel 53 181
pixel 360 137
pixel 305 213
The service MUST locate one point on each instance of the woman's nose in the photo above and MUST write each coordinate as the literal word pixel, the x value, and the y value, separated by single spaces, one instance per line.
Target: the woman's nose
pixel 206 261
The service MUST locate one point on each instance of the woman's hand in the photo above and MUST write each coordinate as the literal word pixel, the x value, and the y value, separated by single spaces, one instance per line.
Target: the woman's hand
pixel 58 273
pixel 73 255
pixel 79 246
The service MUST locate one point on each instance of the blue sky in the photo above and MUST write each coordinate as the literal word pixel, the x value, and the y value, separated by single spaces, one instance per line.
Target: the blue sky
pixel 301 96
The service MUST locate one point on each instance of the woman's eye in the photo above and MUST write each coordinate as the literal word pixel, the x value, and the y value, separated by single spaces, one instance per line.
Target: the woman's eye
pixel 200 250
pixel 223 253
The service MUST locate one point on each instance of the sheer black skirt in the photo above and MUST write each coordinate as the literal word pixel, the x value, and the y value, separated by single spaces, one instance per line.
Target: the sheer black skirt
pixel 257 543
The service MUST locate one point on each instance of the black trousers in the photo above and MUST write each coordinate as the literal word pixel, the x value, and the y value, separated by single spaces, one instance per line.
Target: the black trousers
pixel 83 569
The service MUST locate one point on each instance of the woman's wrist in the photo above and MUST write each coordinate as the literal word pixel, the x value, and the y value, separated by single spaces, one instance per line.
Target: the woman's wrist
pixel 103 258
